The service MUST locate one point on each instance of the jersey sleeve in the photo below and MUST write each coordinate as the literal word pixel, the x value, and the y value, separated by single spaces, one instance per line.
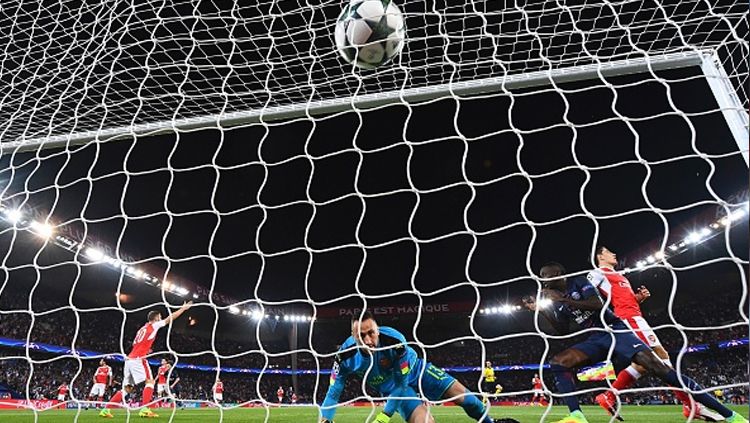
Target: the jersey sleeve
pixel 158 324
pixel 596 277
pixel 339 373
pixel 585 287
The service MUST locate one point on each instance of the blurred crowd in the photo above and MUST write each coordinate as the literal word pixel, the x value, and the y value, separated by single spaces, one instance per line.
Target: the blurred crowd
pixel 39 374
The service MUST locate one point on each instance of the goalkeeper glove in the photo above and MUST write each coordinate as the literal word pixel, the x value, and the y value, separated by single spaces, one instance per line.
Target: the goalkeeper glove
pixel 382 418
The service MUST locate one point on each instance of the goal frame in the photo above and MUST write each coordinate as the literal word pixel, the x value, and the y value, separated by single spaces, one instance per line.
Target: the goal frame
pixel 724 94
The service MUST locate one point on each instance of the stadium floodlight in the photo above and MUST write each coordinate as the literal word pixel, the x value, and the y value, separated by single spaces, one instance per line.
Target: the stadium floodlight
pixel 13 216
pixel 506 309
pixel 481 311
pixel 277 317
pixel 545 302
pixel 674 247
pixel 705 232
pixel 659 255
pixel 641 264
pixel 650 259
pixel 234 309
pixel 94 254
pixel 44 230
pixel 736 215
pixel 494 310
pixel 286 318
pixel 693 238
pixel 256 314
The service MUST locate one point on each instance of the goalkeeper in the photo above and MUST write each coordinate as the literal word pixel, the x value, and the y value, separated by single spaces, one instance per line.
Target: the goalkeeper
pixel 393 369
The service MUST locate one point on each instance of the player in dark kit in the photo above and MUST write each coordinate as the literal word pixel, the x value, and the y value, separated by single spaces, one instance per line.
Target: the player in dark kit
pixel 577 300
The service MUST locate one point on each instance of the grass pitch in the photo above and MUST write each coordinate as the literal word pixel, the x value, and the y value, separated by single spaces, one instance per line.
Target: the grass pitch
pixel 632 414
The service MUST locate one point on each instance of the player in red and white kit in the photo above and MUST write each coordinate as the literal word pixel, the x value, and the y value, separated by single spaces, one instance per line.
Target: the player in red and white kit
pixel 136 369
pixel 280 394
pixel 294 398
pixel 161 378
pixel 626 304
pixel 536 382
pixel 62 391
pixel 102 379
pixel 218 391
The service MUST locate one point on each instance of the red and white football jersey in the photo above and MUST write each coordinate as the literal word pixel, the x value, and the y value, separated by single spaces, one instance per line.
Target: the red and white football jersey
pixel 537 382
pixel 102 374
pixel 144 339
pixel 280 393
pixel 617 287
pixel 294 397
pixel 162 374
pixel 62 389
pixel 219 387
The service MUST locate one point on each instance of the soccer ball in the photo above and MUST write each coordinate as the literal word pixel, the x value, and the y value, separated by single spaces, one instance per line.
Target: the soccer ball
pixel 369 33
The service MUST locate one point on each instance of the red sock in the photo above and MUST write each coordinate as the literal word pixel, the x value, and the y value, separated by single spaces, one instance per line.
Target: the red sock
pixel 148 394
pixel 624 380
pixel 116 400
pixel 683 397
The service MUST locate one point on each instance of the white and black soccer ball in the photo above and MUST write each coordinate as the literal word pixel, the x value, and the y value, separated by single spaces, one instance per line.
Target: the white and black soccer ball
pixel 369 33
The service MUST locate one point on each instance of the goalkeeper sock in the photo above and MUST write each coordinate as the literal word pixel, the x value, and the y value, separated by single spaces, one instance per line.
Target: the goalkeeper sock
pixel 474 408
pixel 708 400
pixel 566 384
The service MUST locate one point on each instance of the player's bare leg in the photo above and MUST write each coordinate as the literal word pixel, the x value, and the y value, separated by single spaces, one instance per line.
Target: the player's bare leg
pixel 562 364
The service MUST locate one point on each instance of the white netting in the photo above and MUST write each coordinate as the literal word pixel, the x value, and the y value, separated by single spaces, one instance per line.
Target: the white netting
pixel 78 67
pixel 452 197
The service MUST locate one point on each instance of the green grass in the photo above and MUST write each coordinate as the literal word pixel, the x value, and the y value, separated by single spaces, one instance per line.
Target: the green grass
pixel 632 414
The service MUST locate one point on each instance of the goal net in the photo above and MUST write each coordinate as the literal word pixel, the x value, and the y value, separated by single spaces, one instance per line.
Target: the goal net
pixel 221 152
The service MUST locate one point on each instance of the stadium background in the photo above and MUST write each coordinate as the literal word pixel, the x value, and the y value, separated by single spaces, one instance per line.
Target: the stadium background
pixel 451 201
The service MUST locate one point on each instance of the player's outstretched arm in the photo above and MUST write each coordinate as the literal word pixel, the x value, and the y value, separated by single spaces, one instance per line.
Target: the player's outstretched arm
pixel 178 313
pixel 339 373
